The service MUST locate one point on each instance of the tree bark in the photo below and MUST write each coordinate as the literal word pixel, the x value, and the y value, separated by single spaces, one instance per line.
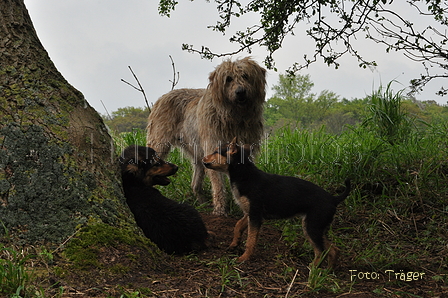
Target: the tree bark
pixel 58 171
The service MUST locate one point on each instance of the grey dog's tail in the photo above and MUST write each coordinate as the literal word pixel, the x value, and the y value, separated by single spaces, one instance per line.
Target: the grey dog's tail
pixel 344 195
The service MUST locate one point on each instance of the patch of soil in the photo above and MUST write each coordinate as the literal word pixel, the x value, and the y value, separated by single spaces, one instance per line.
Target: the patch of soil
pixel 276 270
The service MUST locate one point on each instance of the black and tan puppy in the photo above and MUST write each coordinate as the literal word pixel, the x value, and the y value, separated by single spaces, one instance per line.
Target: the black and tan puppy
pixel 174 227
pixel 267 196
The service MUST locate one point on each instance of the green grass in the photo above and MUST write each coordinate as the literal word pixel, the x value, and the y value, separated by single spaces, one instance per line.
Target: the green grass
pixel 14 276
pixel 18 278
pixel 387 118
pixel 125 139
pixel 417 162
pixel 320 279
pixel 227 271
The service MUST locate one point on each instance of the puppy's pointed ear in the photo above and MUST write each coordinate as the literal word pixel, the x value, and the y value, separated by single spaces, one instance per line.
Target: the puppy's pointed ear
pixel 132 168
pixel 233 146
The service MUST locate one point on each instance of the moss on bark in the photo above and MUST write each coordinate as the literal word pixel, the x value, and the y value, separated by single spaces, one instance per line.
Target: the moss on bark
pixel 58 171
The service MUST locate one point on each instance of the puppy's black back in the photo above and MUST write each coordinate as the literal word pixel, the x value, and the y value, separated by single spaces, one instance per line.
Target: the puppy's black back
pixel 175 228
pixel 277 196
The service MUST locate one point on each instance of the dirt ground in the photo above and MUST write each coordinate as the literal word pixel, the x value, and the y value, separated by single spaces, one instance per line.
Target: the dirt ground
pixel 275 271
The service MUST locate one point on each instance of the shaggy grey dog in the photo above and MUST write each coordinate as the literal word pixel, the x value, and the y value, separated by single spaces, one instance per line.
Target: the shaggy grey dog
pixel 199 120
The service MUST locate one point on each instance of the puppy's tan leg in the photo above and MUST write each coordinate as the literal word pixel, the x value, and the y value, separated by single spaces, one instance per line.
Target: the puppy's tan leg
pixel 333 254
pixel 238 231
pixel 252 238
pixel 317 251
pixel 333 251
pixel 219 192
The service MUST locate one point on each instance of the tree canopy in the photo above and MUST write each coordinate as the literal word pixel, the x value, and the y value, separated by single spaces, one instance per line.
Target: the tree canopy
pixel 334 25
pixel 126 119
pixel 385 110
pixel 294 104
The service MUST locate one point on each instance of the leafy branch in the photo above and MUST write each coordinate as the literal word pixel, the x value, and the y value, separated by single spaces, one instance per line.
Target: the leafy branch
pixel 334 26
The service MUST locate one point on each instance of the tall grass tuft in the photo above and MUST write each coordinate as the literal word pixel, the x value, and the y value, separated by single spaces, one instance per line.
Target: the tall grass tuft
pixel 387 118
pixel 125 139
pixel 14 277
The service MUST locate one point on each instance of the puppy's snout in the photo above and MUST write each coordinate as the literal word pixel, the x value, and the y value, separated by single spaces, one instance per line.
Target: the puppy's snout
pixel 170 168
pixel 205 162
pixel 208 161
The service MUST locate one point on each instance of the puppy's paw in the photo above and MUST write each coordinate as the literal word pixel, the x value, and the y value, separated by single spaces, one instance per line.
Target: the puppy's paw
pixel 232 247
pixel 243 258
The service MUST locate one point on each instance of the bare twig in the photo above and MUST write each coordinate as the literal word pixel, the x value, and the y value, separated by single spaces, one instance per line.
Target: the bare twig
pixel 65 242
pixel 292 282
pixel 107 112
pixel 139 88
pixel 175 80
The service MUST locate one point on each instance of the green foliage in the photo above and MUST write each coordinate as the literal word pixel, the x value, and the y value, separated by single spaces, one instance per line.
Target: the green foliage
pixel 290 95
pixel 387 117
pixel 389 114
pixel 229 275
pixel 333 26
pixel 428 111
pixel 135 137
pixel 180 186
pixel 127 119
pixel 166 6
pixel 14 277
pixel 356 153
pixel 294 104
pixel 322 279
pixel 290 149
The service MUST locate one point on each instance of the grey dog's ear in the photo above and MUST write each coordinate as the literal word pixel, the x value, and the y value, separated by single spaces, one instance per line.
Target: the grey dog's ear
pixel 212 75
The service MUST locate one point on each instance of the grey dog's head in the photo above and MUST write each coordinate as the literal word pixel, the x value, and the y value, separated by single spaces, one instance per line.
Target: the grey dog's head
pixel 241 82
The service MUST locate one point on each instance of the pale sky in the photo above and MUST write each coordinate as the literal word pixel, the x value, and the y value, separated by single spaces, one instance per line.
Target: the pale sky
pixel 93 42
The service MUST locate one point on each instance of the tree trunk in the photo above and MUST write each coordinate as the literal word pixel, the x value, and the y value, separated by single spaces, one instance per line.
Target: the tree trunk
pixel 57 165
